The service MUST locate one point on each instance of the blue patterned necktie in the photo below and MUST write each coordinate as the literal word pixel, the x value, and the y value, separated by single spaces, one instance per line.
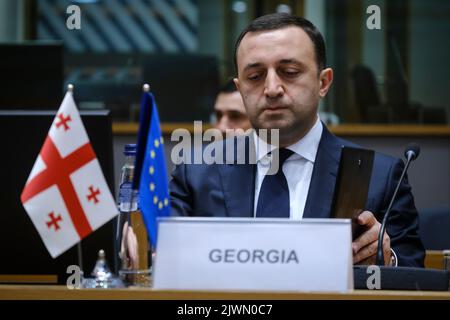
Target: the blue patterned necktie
pixel 273 200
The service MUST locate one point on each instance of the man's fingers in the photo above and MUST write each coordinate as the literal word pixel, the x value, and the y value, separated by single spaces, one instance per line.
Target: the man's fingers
pixel 366 252
pixel 367 237
pixel 387 249
pixel 366 218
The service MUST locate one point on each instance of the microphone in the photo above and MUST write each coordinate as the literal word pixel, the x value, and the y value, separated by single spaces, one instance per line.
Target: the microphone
pixel 412 151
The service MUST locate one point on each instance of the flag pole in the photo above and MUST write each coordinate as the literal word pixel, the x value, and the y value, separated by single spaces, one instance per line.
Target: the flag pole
pixel 144 127
pixel 80 256
pixel 70 88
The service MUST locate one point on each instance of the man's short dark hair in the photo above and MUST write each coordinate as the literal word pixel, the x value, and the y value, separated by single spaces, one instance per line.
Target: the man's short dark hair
pixel 228 87
pixel 276 21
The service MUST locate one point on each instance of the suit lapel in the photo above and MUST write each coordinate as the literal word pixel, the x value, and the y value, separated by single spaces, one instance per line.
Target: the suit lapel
pixel 238 180
pixel 323 179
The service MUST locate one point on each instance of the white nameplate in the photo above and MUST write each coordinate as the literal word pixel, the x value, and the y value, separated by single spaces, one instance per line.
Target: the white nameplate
pixel 253 254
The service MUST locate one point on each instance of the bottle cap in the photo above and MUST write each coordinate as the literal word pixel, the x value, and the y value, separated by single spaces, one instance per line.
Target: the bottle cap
pixel 102 275
pixel 101 270
pixel 130 149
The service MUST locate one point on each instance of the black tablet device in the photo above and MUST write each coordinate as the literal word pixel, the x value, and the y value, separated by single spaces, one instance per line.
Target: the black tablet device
pixel 352 185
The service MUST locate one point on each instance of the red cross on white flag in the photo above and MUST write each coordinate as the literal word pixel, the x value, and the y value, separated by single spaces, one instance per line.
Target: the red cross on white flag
pixel 66 194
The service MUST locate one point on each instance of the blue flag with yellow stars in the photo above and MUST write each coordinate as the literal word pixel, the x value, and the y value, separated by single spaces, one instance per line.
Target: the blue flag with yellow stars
pixel 150 162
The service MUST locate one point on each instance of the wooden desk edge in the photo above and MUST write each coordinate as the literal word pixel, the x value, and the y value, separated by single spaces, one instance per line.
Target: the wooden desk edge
pixel 29 292
pixel 29 278
pixel 131 128
pixel 434 259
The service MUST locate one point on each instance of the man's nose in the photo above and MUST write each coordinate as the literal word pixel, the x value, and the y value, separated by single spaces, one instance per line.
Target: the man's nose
pixel 223 124
pixel 273 85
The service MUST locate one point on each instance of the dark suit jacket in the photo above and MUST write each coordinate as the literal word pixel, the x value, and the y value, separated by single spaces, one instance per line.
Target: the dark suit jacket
pixel 227 190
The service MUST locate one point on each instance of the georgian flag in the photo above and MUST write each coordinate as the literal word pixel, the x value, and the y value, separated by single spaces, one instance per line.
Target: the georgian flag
pixel 66 194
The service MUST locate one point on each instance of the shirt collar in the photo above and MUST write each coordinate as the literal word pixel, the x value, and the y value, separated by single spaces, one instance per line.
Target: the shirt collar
pixel 306 147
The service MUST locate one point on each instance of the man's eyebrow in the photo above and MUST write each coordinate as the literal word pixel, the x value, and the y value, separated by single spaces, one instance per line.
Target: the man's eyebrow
pixel 252 65
pixel 283 61
pixel 236 111
pixel 289 61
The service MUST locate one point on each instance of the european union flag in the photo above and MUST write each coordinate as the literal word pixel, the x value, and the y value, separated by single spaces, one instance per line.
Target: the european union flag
pixel 150 168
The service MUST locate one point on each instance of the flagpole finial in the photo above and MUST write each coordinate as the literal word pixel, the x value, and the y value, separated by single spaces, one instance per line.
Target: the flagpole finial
pixel 146 87
pixel 70 87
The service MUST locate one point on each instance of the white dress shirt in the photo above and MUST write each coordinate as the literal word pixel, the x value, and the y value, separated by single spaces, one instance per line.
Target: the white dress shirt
pixel 297 168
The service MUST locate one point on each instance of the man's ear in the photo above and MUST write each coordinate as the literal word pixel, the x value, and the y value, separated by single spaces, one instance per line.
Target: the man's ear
pixel 236 83
pixel 326 78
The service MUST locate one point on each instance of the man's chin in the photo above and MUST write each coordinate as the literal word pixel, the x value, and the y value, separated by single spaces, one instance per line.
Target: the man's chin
pixel 280 124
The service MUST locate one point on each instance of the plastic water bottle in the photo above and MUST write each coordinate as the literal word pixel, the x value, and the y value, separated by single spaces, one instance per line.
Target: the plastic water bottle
pixel 134 248
pixel 128 198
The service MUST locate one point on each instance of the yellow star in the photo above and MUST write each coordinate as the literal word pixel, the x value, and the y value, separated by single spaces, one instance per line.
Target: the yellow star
pixel 152 186
pixel 156 143
pixel 155 199
pixel 151 170
pixel 152 154
pixel 161 140
pixel 166 202
pixel 160 205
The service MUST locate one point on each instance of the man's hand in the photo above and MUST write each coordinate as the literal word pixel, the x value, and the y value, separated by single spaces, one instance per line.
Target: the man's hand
pixel 129 247
pixel 365 246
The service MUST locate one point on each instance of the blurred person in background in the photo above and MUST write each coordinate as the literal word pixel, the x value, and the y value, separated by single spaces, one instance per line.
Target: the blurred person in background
pixel 229 109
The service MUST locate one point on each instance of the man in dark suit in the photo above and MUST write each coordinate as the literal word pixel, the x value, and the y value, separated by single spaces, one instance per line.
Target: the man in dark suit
pixel 282 75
